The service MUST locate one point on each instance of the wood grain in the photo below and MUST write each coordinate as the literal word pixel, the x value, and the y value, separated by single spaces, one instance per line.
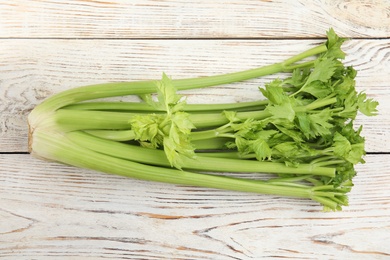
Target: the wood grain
pixel 192 19
pixel 53 211
pixel 36 69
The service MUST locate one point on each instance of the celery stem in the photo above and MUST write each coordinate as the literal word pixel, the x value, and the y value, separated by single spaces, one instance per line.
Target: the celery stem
pixel 143 155
pixel 114 89
pixel 54 146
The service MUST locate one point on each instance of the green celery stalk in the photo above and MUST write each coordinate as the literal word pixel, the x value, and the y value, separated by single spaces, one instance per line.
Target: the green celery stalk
pixel 200 163
pixel 89 120
pixel 68 128
pixel 145 107
pixel 114 89
pixel 55 146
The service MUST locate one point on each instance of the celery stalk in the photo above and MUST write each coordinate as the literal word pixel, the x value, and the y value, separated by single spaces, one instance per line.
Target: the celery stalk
pixel 55 146
pixel 302 122
pixel 144 107
pixel 114 89
pixel 200 163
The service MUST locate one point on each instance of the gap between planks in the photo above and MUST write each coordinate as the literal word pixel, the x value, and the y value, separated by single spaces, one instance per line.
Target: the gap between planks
pixel 190 38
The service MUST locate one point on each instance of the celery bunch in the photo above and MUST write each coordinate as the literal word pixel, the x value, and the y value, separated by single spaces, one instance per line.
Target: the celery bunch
pixel 302 134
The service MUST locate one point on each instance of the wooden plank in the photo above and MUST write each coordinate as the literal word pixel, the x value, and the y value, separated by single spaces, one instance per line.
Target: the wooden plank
pixel 54 211
pixel 35 69
pixel 192 19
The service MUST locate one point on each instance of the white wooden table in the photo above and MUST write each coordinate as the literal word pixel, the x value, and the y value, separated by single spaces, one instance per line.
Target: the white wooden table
pixel 52 211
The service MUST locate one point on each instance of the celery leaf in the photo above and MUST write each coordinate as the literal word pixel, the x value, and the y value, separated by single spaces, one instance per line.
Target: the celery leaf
pixel 333 44
pixel 367 106
pixel 170 130
pixel 284 111
pixel 274 92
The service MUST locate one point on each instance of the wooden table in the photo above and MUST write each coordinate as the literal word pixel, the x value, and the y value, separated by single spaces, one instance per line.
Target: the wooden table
pixel 52 211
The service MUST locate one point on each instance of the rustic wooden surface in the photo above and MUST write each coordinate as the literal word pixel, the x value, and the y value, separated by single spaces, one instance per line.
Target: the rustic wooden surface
pixel 52 211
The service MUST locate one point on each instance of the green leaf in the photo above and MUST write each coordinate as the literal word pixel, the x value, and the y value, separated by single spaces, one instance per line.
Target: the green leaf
pixel 147 129
pixel 315 123
pixel 351 134
pixel 356 154
pixel 319 122
pixel 284 111
pixel 242 145
pixel 171 130
pixel 288 128
pixel 333 44
pixel 274 92
pixel 244 127
pixel 265 134
pixel 287 149
pixel 178 142
pixel 341 145
pixel 175 139
pixel 294 152
pixel 367 106
pixel 183 123
pixel 257 143
pixel 323 70
pixel 350 106
pixel 166 93
pixel 304 123
pixel 352 152
pixel 278 138
pixel 344 175
pixel 171 153
pixel 344 87
pixel 249 127
pixel 318 89
pixel 261 149
pixel 231 116
pixel 299 77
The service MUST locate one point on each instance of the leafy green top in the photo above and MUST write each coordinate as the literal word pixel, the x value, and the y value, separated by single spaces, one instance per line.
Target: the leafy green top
pixel 309 119
pixel 170 130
